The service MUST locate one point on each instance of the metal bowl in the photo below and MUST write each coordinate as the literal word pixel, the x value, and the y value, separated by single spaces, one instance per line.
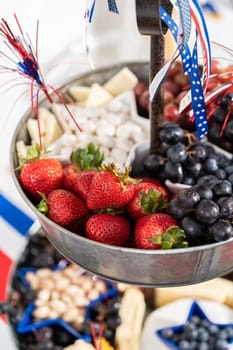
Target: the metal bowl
pixel 157 268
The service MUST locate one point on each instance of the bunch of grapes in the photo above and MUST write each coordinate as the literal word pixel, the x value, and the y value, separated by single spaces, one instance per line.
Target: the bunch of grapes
pixel 184 159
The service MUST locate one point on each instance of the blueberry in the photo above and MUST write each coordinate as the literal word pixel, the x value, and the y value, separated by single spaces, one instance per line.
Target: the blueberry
pixel 188 179
pixel 222 334
pixel 207 211
pixel 203 346
pixel 221 230
pixel 204 191
pixel 208 180
pixel 226 207
pixel 184 345
pixel 221 174
pixel 221 344
pixel 213 329
pixel 203 335
pixel 193 229
pixel 167 333
pixel 188 198
pixel 222 188
pixel 230 178
pixel 229 169
pixel 210 165
pixel 176 210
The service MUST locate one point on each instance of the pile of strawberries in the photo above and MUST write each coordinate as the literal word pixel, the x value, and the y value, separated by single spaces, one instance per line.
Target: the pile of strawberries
pixel 100 202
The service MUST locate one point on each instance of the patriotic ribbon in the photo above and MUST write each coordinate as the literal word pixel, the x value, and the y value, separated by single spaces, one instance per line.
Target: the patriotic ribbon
pixel 189 12
pixel 112 6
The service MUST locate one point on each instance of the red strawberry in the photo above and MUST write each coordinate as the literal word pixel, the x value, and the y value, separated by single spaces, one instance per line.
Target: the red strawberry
pixel 158 231
pixel 108 229
pixel 158 184
pixel 65 208
pixel 41 175
pixel 69 177
pixel 110 189
pixel 146 200
pixel 82 183
pixel 87 158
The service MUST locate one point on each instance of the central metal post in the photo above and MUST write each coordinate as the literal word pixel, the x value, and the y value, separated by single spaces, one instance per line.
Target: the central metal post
pixel 148 21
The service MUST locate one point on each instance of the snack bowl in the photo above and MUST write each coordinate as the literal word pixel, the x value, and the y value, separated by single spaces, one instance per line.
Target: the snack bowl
pixel 133 266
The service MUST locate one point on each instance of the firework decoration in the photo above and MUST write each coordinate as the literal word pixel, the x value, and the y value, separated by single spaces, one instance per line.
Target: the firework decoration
pixel 19 57
pixel 187 39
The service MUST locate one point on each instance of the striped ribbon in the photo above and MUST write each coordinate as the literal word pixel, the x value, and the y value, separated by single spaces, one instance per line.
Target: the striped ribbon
pixel 189 12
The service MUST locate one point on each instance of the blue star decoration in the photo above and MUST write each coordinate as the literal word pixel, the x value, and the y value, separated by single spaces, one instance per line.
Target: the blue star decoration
pixel 197 333
pixel 27 324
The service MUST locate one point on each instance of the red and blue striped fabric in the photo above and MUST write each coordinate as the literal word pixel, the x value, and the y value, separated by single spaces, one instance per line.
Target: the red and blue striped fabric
pixel 15 227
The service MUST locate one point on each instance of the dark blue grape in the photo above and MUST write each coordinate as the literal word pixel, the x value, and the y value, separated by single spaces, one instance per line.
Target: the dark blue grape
pixel 177 153
pixel 171 133
pixel 153 163
pixel 174 171
pixel 199 151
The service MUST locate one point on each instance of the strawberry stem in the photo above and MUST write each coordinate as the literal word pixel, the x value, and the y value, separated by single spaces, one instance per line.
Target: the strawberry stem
pixel 87 158
pixel 174 237
pixel 152 201
pixel 42 207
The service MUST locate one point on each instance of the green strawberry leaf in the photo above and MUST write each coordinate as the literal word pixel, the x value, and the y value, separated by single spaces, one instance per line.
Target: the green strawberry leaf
pixel 42 207
pixel 87 158
pixel 152 201
pixel 174 237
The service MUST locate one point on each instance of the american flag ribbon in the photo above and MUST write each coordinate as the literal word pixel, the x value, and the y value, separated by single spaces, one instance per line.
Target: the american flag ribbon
pixel 189 57
pixel 112 7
